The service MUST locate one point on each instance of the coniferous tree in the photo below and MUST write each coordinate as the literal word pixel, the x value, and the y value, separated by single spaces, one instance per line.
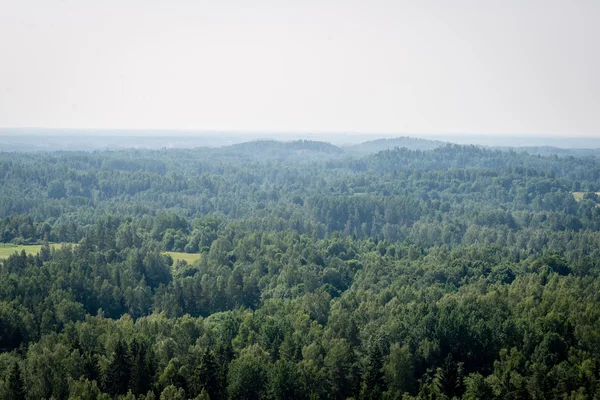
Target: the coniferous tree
pixel 205 376
pixel 117 374
pixel 15 383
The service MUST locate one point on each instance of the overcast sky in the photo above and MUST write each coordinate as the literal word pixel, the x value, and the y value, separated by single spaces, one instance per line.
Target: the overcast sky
pixel 460 66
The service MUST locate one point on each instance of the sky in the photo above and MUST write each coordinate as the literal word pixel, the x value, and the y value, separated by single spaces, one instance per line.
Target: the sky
pixel 518 67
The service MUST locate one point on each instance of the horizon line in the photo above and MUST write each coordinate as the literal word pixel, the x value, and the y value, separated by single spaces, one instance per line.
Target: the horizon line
pixel 308 132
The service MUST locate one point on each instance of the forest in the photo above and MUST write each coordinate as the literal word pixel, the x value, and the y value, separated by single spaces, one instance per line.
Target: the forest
pixel 429 271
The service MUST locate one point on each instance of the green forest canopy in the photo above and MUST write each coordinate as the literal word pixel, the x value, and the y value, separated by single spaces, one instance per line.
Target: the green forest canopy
pixel 450 272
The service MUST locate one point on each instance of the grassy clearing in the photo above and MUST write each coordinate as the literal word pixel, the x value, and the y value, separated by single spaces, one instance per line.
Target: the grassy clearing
pixel 579 195
pixel 189 257
pixel 8 249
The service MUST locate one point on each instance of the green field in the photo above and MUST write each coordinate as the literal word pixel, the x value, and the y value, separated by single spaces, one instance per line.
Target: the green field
pixel 579 195
pixel 189 257
pixel 7 249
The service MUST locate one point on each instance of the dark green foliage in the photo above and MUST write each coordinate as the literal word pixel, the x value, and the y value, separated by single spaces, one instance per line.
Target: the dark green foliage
pixel 448 379
pixel 458 272
pixel 205 376
pixel 15 384
pixel 118 373
pixel 247 377
pixel 142 366
pixel 286 382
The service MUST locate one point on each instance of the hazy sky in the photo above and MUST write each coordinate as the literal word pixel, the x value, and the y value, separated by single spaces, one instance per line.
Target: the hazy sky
pixel 480 66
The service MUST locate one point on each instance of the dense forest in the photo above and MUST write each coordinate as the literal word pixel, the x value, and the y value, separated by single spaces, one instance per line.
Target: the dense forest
pixel 436 272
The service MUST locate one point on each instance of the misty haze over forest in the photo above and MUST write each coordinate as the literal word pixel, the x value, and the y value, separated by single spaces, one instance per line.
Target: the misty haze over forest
pixel 40 139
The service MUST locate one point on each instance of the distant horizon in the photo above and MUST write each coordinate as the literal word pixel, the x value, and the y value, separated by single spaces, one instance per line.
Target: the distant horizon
pixel 374 135
pixel 18 139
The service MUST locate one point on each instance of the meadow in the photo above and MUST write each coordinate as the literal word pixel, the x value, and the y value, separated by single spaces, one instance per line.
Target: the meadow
pixel 579 195
pixel 7 249
pixel 190 258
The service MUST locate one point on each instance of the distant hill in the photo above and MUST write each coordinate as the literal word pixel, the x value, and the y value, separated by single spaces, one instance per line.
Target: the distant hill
pixel 550 150
pixel 276 150
pixel 374 146
pixel 296 145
